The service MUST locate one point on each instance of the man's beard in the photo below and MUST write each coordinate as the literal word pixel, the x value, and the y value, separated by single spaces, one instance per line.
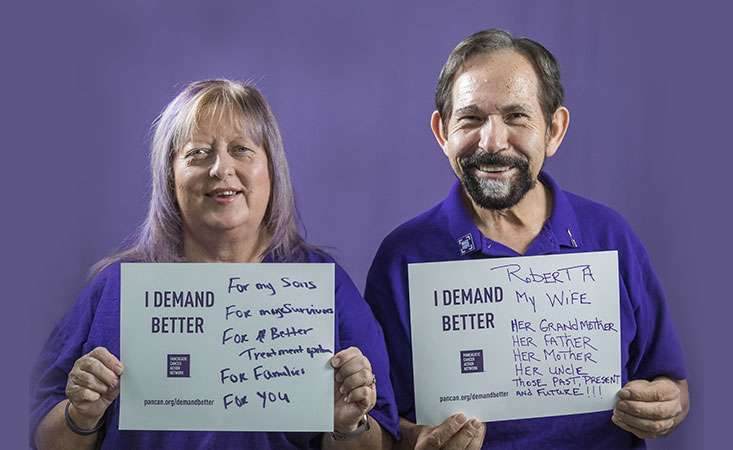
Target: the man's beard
pixel 495 194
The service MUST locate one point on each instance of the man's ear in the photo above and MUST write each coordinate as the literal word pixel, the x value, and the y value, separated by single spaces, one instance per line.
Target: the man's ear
pixel 436 125
pixel 557 129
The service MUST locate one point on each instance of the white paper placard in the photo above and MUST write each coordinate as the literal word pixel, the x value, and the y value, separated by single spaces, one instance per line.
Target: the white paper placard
pixel 227 347
pixel 512 338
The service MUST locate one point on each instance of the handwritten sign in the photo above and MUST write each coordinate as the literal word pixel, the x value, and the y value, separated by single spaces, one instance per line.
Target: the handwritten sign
pixel 514 338
pixel 227 347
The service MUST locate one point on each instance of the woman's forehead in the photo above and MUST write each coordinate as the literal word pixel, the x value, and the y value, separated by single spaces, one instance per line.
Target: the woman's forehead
pixel 214 120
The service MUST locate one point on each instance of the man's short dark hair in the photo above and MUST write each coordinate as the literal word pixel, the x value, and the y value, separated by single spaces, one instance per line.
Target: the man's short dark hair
pixel 550 91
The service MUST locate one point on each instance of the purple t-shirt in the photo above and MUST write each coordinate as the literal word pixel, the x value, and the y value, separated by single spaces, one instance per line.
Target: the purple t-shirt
pixel 95 321
pixel 649 343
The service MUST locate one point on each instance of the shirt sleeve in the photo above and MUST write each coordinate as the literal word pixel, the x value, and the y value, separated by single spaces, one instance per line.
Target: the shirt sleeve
pixel 358 328
pixel 655 350
pixel 386 293
pixel 64 346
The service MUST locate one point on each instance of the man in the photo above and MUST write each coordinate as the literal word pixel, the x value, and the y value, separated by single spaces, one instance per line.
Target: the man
pixel 498 115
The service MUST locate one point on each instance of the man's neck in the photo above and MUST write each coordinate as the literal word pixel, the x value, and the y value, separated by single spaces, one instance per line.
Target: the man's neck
pixel 517 226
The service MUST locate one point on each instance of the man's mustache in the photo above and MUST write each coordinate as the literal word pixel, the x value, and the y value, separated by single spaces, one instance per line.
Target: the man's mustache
pixel 482 158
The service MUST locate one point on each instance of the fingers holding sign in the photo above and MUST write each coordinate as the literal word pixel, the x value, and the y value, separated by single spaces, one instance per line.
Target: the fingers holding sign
pixel 650 409
pixel 93 384
pixel 355 390
pixel 456 432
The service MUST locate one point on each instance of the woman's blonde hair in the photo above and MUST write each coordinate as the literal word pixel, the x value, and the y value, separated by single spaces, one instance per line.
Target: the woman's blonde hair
pixel 160 237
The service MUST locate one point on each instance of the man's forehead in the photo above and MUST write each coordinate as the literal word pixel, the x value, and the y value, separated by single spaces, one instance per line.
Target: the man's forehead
pixel 496 80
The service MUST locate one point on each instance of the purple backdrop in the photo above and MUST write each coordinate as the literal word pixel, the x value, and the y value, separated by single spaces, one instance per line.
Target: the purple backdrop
pixel 352 84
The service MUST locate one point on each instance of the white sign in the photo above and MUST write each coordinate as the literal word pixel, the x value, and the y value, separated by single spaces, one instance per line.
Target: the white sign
pixel 513 338
pixel 227 347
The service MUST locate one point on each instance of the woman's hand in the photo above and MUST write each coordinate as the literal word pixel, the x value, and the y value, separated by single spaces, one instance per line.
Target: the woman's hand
pixel 355 389
pixel 93 384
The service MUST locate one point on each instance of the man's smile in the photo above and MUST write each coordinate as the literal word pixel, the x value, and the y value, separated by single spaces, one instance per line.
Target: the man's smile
pixel 493 169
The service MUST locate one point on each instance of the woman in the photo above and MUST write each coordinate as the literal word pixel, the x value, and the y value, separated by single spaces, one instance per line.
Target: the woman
pixel 221 193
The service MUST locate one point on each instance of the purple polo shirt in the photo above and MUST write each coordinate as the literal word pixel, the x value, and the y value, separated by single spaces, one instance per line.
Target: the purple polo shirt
pixel 95 321
pixel 649 343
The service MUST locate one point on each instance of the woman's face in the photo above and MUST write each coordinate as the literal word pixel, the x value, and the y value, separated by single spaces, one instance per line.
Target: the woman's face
pixel 222 180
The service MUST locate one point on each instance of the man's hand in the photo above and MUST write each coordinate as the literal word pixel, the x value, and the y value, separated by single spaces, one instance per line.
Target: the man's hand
pixel 455 433
pixel 650 409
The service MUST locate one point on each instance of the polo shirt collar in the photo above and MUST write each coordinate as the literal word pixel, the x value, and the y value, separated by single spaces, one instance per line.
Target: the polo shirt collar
pixel 562 224
pixel 463 230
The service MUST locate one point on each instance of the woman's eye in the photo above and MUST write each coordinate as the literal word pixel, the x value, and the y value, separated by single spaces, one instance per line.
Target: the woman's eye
pixel 197 153
pixel 240 150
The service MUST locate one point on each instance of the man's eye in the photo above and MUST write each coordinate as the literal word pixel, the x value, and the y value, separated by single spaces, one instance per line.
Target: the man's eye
pixel 469 121
pixel 516 116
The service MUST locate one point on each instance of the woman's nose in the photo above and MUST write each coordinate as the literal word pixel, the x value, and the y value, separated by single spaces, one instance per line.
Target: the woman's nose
pixel 222 167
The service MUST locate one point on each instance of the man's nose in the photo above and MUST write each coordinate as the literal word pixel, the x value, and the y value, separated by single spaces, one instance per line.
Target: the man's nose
pixel 222 166
pixel 493 135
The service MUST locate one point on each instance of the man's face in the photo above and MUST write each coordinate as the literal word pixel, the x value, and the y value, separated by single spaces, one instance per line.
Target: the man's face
pixel 496 139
